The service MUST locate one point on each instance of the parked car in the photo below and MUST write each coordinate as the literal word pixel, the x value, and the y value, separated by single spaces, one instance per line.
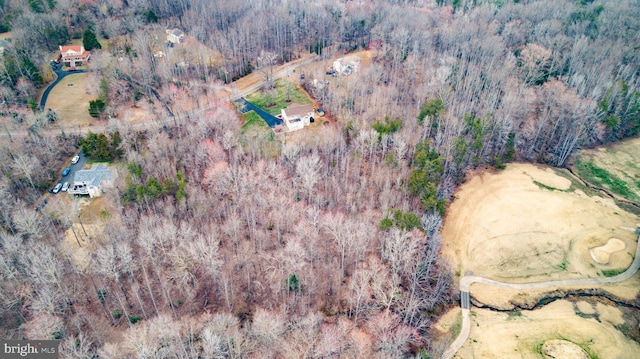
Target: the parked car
pixel 72 69
pixel 65 187
pixel 66 171
pixel 75 159
pixel 56 189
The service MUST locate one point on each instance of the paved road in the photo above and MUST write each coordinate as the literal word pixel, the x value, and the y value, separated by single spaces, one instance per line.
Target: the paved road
pixel 57 69
pixel 467 281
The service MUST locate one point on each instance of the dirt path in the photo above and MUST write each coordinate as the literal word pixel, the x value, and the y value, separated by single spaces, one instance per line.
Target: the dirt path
pixel 468 280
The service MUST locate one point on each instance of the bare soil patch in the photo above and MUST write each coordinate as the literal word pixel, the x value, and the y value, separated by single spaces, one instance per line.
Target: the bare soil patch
pixel 528 223
pixel 70 98
pixel 602 254
pixel 524 334
pixel 556 348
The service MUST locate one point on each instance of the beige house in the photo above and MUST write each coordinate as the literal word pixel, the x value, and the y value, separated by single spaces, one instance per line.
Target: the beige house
pixel 91 182
pixel 346 65
pixel 175 36
pixel 295 117
pixel 73 55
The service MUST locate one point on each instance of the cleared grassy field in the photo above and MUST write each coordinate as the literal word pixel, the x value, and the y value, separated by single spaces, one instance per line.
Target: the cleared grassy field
pixel 253 123
pixel 71 99
pixel 529 223
pixel 523 334
pixel 284 90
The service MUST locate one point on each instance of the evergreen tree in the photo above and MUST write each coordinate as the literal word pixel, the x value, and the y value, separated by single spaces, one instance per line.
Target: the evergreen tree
pixel 89 40
pixel 96 107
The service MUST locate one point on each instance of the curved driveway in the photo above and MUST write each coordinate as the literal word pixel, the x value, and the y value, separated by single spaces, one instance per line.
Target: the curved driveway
pixel 57 69
pixel 467 281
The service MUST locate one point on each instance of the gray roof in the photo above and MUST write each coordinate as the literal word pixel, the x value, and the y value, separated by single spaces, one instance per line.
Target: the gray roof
pixel 94 176
pixel 298 110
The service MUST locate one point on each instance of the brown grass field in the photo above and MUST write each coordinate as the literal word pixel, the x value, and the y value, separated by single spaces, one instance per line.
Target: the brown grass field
pixel 71 99
pixel 521 334
pixel 531 223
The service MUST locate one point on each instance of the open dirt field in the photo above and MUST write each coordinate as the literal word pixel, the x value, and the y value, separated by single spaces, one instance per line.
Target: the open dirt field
pixel 528 223
pixel 523 334
pixel 532 223
pixel 71 99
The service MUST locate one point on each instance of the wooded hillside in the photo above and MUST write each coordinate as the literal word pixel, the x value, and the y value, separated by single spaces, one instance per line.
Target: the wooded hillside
pixel 222 244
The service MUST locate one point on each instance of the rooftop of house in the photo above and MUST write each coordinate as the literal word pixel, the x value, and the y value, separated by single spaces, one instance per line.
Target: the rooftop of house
pixel 94 176
pixel 65 50
pixel 72 48
pixel 298 110
pixel 175 32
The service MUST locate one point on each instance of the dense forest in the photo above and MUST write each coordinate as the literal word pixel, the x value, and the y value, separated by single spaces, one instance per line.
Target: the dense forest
pixel 225 245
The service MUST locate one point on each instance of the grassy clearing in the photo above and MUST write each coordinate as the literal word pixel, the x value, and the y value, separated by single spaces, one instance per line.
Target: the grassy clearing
pixel 600 177
pixel 612 272
pixel 253 124
pixel 544 186
pixel 284 90
pixel 457 326
pixel 70 99
pixel 258 137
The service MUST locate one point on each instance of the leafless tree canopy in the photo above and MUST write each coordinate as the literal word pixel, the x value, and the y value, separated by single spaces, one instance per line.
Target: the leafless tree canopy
pixel 224 244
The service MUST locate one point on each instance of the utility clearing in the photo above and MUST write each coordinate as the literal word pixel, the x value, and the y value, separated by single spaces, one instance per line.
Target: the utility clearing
pixel 531 223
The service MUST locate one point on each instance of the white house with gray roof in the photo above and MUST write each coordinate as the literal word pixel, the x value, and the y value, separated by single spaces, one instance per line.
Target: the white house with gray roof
pixel 295 117
pixel 175 36
pixel 91 181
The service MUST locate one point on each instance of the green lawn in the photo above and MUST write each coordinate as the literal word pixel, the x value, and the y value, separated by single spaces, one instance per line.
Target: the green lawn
pixel 282 91
pixel 253 122
pixel 602 178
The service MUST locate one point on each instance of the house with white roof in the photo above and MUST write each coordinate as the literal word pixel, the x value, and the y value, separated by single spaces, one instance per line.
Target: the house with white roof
pixel 295 117
pixel 175 36
pixel 91 182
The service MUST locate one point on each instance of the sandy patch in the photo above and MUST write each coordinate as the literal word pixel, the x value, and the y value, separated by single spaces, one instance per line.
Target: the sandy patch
pixel 585 308
pixel 610 314
pixel 555 349
pixel 506 227
pixel 548 177
pixel 502 335
pixel 78 243
pixel 448 320
pixel 603 253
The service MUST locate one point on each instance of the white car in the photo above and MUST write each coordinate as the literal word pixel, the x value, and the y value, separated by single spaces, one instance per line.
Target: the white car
pixel 56 189
pixel 65 187
pixel 75 160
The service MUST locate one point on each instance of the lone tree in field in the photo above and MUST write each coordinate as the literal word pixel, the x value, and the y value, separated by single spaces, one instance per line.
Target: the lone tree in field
pixel 89 40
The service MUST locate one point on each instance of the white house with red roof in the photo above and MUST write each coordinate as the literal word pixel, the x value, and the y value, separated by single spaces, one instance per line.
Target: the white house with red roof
pixel 73 55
